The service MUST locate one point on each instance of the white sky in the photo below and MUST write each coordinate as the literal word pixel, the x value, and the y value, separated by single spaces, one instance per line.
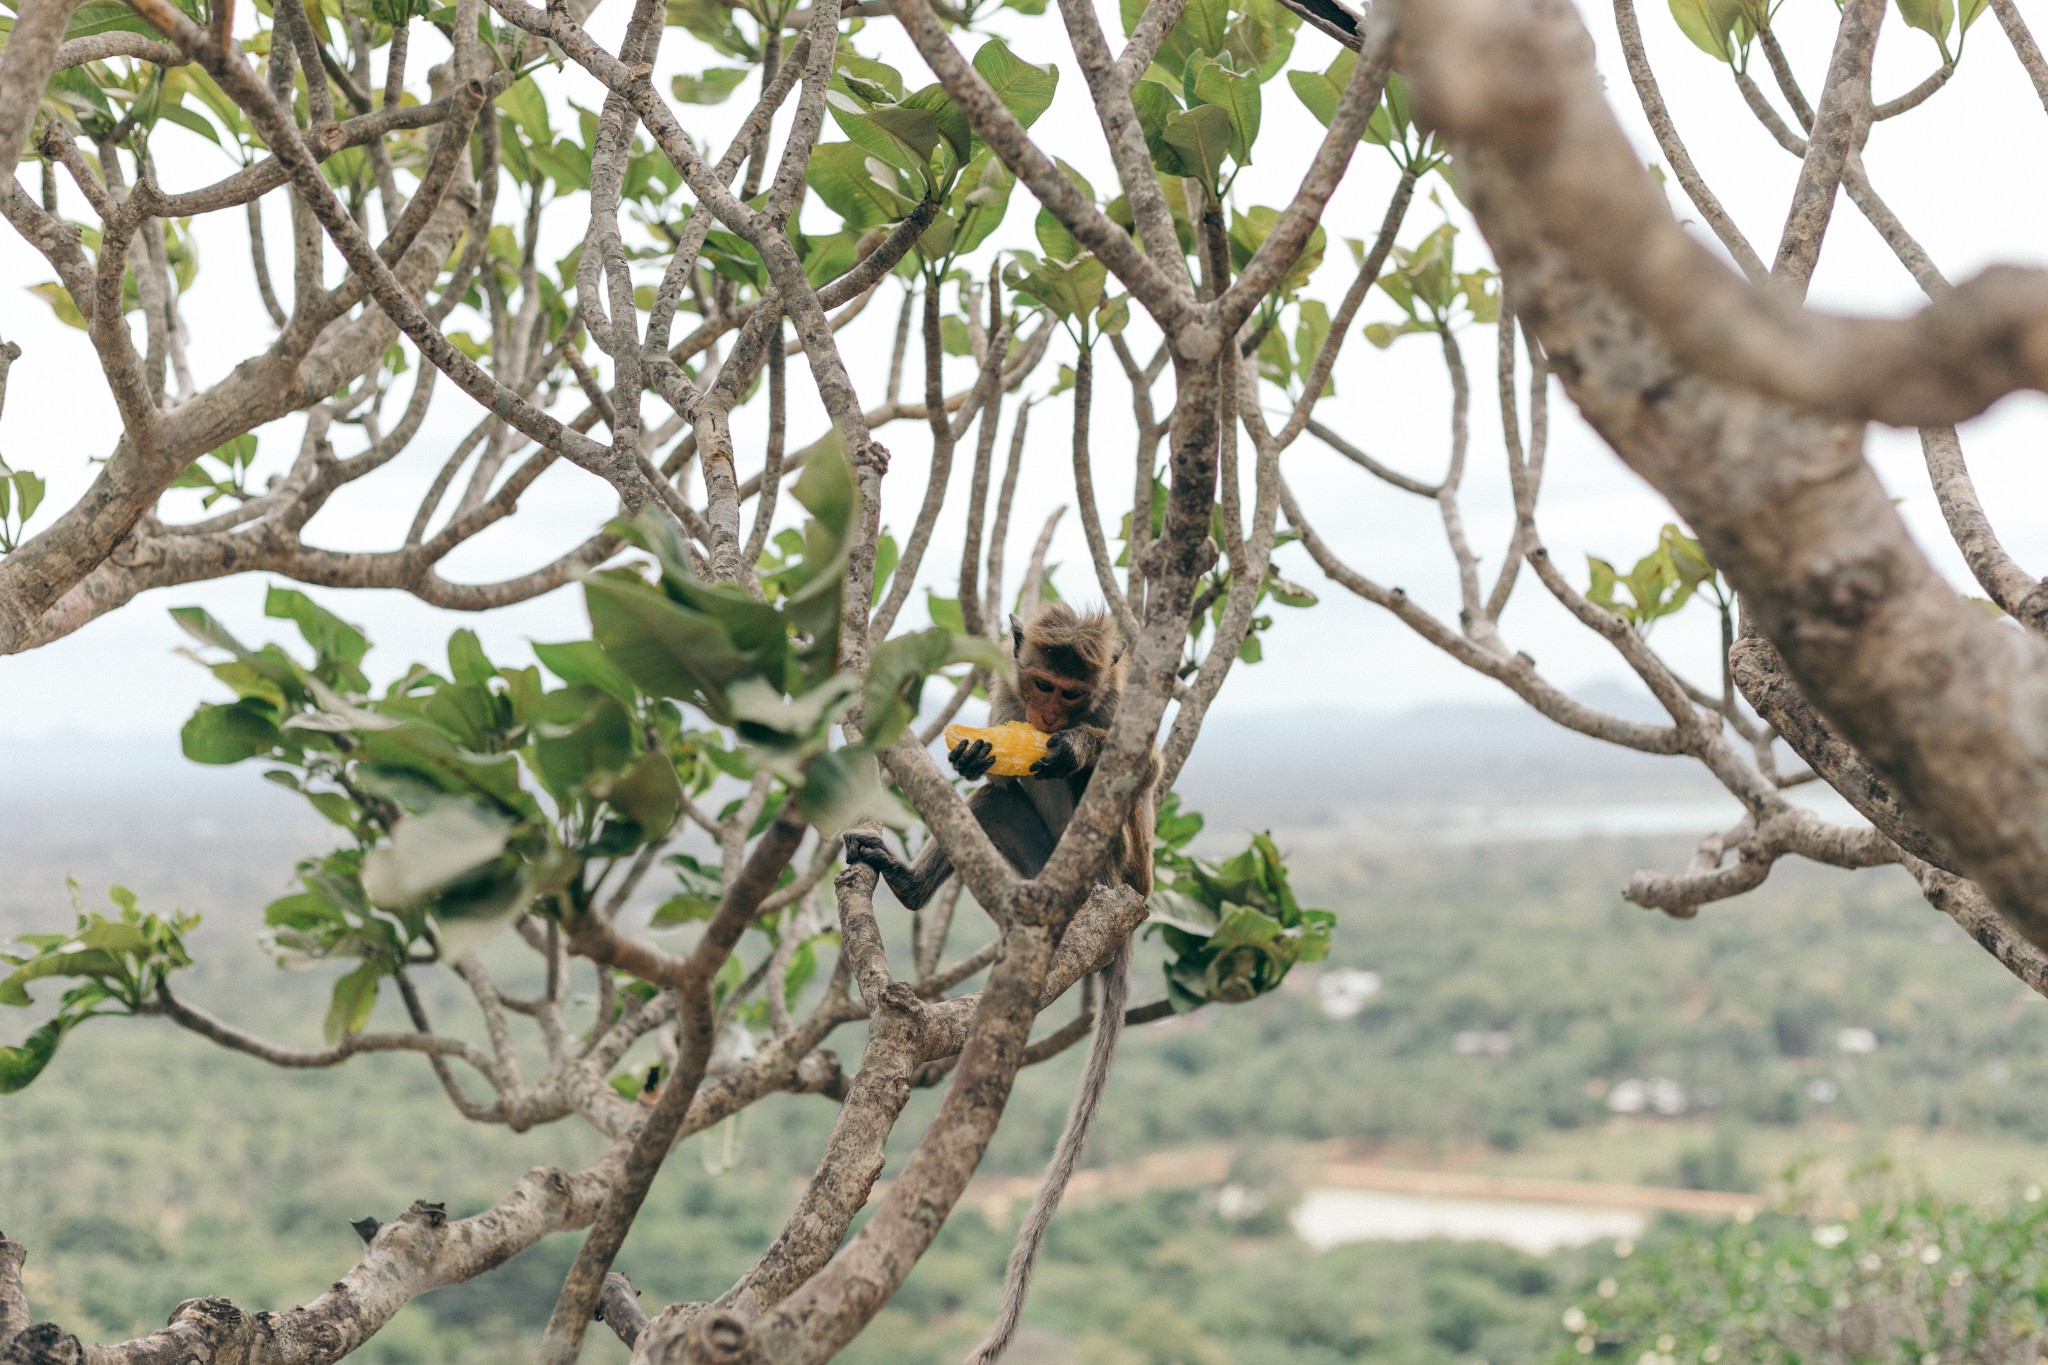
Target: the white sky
pixel 1949 170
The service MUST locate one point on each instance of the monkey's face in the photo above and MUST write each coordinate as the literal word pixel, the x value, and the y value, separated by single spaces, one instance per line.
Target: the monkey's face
pixel 1050 701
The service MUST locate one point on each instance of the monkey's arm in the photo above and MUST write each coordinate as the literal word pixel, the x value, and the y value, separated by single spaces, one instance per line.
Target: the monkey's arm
pixel 1006 815
pixel 913 883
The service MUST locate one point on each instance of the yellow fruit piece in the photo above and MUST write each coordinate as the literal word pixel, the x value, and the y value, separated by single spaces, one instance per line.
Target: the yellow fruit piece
pixel 1018 745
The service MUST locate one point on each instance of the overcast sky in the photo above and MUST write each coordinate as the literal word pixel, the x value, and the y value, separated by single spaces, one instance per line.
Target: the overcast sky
pixel 1954 171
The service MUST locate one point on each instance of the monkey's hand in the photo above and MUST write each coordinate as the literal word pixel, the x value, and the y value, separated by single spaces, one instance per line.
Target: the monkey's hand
pixel 972 758
pixel 1062 756
pixel 868 849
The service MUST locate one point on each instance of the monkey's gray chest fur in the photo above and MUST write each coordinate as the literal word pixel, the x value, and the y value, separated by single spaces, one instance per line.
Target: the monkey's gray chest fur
pixel 1052 798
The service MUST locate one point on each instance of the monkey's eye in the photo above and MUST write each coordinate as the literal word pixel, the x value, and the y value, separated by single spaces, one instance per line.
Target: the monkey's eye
pixel 1041 684
pixel 1071 694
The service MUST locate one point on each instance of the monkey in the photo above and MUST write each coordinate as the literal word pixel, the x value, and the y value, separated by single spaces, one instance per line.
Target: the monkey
pixel 1070 671
pixel 1070 677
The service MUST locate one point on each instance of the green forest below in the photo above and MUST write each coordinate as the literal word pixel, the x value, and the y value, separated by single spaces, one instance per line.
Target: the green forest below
pixel 148 1167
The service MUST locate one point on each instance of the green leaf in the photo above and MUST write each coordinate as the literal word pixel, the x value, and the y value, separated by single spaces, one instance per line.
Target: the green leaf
pixel 876 82
pixel 355 995
pixel 1236 95
pixel 59 299
pixel 585 662
pixel 841 787
pixel 21 1065
pixel 431 850
pixel 419 750
pixel 467 661
pixel 713 86
pixel 329 635
pixel 1202 137
pixel 952 123
pixel 528 109
pixel 230 733
pixel 841 174
pixel 887 552
pixel 945 612
pixel 1716 27
pixel 898 669
pixel 649 795
pixel 916 128
pixel 1207 24
pixel 1054 239
pixel 1025 90
pixel 1933 17
pixel 581 732
pixel 664 648
pixel 107 16
pixel 979 201
pixel 1156 105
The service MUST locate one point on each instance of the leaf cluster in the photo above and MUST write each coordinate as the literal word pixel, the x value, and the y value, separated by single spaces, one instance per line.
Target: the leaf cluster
pixel 1660 584
pixel 1234 927
pixel 118 962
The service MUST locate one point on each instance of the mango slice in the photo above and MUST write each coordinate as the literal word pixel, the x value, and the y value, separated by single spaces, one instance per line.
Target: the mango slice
pixel 1018 745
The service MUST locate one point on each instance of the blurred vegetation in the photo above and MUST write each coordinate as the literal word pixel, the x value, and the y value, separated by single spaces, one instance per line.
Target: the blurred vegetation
pixel 1902 1278
pixel 149 1167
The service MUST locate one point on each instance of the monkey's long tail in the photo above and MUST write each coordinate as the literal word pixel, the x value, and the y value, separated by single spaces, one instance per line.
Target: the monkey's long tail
pixel 1109 1025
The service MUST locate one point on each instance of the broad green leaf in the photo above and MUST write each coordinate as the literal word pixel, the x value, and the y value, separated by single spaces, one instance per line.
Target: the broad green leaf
pixel 581 732
pixel 329 635
pixel 355 995
pixel 884 82
pixel 28 493
pixel 59 299
pixel 466 659
pixel 842 787
pixel 649 795
pixel 418 749
pixel 1239 97
pixel 1716 27
pixel 1933 17
pixel 1202 137
pixel 916 128
pixel 107 16
pixel 979 200
pixel 899 667
pixel 713 86
pixel 952 123
pixel 1156 105
pixel 1053 237
pixel 430 850
pixel 666 649
pixel 1319 91
pixel 21 1065
pixel 1025 90
pixel 231 733
pixel 840 173
pixel 828 257
pixel 584 661
pixel 528 109
pixel 1207 24
pixel 945 612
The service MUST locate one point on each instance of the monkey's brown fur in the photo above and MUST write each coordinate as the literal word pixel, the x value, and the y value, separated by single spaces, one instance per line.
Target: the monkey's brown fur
pixel 1070 670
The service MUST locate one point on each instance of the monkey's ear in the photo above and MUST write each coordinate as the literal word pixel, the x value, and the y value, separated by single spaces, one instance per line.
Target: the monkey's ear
pixel 1116 656
pixel 1016 634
